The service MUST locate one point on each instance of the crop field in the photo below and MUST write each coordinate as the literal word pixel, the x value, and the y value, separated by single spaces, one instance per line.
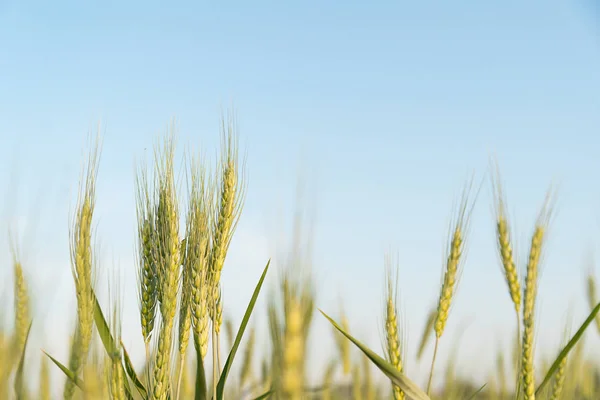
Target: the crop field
pixel 192 351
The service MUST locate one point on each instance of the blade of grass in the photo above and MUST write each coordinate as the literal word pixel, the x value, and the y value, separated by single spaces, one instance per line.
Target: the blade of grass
pixel 410 389
pixel 103 329
pixel 477 392
pixel 264 395
pixel 110 345
pixel 70 374
pixel 19 387
pixel 238 338
pixel 131 373
pixel 568 348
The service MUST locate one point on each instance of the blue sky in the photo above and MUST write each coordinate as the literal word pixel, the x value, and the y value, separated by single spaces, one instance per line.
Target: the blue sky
pixel 383 108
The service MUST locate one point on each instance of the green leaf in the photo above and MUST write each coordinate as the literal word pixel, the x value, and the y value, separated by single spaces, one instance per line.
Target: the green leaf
pixel 104 331
pixel 113 351
pixel 410 389
pixel 131 373
pixel 201 389
pixel 238 338
pixel 568 348
pixel 70 374
pixel 477 392
pixel 265 395
pixel 19 387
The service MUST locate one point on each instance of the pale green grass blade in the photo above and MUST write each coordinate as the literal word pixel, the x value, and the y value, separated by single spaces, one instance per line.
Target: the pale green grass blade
pixel 70 374
pixel 238 338
pixel 568 348
pixel 132 374
pixel 410 389
pixel 19 387
pixel 477 392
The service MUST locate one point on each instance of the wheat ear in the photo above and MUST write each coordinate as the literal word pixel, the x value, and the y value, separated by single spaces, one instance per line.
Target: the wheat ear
pixel 530 293
pixel 452 272
pixel 168 269
pixel 82 262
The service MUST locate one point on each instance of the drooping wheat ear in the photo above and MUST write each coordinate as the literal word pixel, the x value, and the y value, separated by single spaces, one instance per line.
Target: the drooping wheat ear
pixel 228 207
pixel 147 256
pixel 22 315
pixel 293 351
pixel 592 295
pixel 44 391
pixel 168 267
pixel 452 270
pixel 530 293
pixel 393 345
pixel 82 261
pixel 246 370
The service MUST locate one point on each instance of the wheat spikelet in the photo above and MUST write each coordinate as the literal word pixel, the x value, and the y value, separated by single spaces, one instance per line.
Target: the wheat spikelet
pixel 83 274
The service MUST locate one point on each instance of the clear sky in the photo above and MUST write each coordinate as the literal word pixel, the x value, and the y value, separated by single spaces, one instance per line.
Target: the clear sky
pixel 384 108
